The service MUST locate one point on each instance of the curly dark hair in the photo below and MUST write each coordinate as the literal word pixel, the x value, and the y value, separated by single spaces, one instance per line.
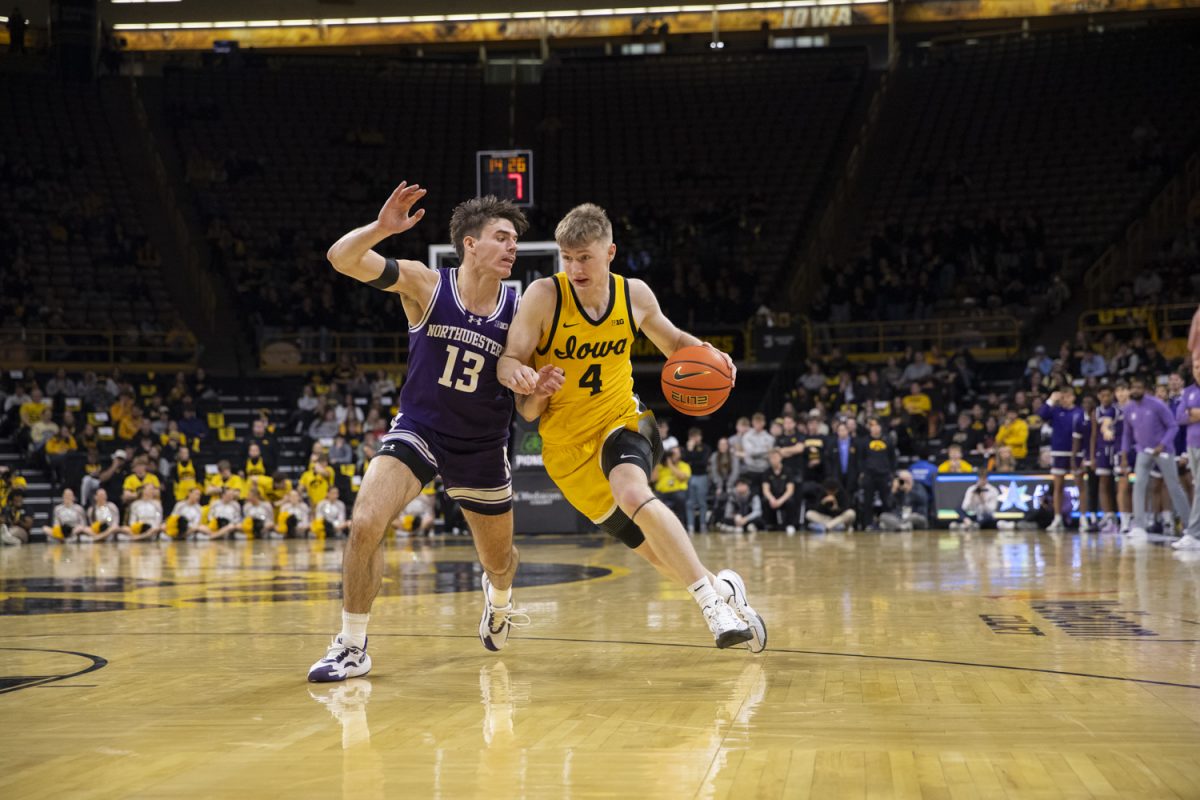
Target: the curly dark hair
pixel 470 217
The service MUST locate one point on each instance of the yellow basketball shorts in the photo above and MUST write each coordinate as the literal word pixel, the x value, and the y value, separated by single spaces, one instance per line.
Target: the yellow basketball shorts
pixel 577 468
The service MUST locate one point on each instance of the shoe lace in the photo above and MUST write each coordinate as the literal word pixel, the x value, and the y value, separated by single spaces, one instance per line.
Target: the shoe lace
pixel 720 616
pixel 516 617
pixel 339 650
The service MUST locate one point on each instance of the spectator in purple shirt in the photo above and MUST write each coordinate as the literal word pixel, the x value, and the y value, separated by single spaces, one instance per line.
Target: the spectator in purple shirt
pixel 1150 430
pixel 1188 415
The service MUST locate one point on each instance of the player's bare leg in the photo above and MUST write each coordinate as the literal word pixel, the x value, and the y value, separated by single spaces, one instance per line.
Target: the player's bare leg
pixel 493 535
pixel 388 487
pixel 669 540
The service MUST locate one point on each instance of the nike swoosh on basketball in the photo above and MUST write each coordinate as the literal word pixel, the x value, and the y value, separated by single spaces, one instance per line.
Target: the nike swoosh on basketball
pixel 681 375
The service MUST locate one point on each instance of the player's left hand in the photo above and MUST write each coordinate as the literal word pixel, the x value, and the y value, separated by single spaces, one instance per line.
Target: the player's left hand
pixel 728 361
pixel 549 380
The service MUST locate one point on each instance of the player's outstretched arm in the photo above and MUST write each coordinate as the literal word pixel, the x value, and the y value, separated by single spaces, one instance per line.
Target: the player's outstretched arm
pixel 532 317
pixel 352 254
pixel 650 319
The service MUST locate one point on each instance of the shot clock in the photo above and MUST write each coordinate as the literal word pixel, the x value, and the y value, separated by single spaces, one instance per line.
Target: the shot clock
pixel 508 174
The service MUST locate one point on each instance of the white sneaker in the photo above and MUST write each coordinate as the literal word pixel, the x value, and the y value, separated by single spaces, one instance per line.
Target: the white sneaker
pixel 791 530
pixel 1188 542
pixel 497 621
pixel 732 589
pixel 956 526
pixel 1139 533
pixel 1056 526
pixel 6 537
pixel 341 661
pixel 725 626
pixel 1006 525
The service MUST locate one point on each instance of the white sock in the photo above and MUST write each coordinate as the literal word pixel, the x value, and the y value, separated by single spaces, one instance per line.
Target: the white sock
pixel 499 597
pixel 703 593
pixel 354 629
pixel 1123 516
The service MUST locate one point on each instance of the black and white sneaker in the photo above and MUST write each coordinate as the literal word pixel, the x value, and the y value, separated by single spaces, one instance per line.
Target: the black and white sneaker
pixel 732 590
pixel 342 661
pixel 498 621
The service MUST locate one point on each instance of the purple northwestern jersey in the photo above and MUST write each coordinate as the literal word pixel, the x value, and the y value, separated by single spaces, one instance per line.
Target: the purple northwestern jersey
pixel 451 386
pixel 1083 436
pixel 1191 399
pixel 1064 424
pixel 1149 424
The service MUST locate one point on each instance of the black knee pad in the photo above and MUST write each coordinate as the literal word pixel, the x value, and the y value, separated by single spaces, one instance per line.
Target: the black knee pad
pixel 627 447
pixel 620 526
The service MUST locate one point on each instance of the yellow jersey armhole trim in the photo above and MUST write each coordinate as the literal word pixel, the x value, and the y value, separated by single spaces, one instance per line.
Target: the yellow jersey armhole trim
pixel 558 302
pixel 629 305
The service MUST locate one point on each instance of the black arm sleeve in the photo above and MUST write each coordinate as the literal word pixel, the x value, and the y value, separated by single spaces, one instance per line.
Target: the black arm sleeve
pixel 387 279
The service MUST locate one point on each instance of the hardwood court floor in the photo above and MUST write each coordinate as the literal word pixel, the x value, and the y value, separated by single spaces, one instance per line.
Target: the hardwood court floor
pixel 926 665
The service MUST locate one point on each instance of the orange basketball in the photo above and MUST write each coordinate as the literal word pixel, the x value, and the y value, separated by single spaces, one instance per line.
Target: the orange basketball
pixel 695 381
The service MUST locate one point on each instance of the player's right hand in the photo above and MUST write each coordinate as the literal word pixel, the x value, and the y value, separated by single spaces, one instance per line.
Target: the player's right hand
pixel 523 380
pixel 394 216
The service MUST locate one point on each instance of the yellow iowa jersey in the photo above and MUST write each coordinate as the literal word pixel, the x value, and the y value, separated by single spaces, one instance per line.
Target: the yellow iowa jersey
pixel 597 393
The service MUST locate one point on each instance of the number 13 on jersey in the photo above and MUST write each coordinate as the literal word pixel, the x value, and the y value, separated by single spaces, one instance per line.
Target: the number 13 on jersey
pixel 472 365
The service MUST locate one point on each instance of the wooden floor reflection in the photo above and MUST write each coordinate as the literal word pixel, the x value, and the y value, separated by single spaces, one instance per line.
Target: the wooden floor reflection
pixel 931 665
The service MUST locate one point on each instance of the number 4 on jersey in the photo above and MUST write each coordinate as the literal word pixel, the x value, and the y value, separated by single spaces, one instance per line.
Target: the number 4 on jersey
pixel 591 379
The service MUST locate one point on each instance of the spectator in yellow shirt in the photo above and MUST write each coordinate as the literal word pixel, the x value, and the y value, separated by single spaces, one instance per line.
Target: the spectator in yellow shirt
pixel 954 462
pixel 916 402
pixel 32 410
pixel 1015 434
pixel 121 409
pixel 130 425
pixel 215 485
pixel 317 479
pixel 671 482
pixel 142 476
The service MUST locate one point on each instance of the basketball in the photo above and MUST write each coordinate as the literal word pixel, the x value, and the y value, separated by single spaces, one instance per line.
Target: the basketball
pixel 695 381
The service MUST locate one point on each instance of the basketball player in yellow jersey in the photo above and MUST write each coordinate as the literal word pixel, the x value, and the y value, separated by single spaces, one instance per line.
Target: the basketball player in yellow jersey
pixel 599 444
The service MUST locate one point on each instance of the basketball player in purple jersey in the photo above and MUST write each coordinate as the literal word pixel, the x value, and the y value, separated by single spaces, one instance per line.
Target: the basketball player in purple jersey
pixel 455 415
pixel 1188 416
pixel 1106 437
pixel 1064 418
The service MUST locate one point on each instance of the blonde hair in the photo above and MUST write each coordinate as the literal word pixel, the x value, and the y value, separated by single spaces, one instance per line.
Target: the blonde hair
pixel 583 225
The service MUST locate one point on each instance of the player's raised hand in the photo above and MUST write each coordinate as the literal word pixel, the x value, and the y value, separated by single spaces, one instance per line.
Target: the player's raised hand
pixel 394 217
pixel 728 361
pixel 550 380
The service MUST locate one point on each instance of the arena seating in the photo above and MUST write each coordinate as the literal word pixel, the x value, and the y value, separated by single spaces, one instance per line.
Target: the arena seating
pixel 288 159
pixel 70 236
pixel 714 160
pixel 1044 124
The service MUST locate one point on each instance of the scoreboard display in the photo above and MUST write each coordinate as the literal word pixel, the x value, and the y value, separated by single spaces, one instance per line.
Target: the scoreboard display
pixel 508 174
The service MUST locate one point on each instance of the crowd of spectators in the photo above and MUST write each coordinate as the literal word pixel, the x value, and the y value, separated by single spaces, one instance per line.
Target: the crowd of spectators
pixel 991 263
pixel 119 450
pixel 855 446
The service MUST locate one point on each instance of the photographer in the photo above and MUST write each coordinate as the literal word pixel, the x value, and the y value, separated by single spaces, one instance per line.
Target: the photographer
pixel 111 478
pixel 908 505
